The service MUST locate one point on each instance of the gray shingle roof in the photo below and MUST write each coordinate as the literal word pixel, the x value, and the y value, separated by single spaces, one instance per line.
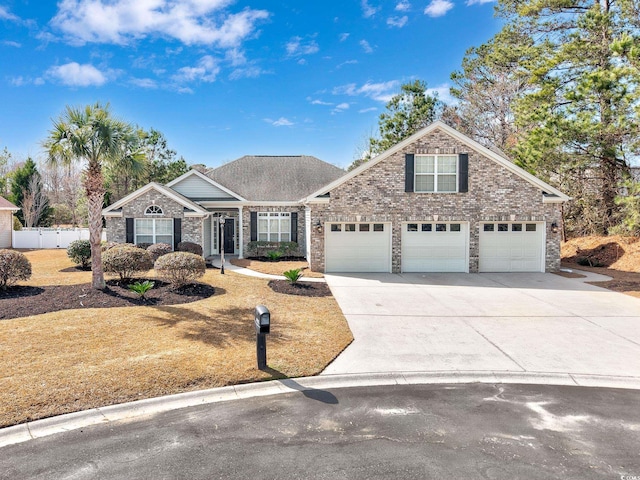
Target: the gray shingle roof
pixel 275 178
pixel 7 205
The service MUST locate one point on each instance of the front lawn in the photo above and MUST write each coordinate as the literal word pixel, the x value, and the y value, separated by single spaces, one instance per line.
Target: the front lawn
pixel 72 360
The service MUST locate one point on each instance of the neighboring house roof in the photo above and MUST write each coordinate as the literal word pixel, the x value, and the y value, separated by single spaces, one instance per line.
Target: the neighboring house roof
pixel 275 178
pixel 7 205
pixel 553 194
pixel 191 208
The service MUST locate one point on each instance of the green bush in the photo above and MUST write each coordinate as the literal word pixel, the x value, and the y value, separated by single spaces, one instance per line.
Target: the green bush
pixel 14 266
pixel 261 248
pixel 293 276
pixel 190 247
pixel 157 250
pixel 79 251
pixel 141 288
pixel 126 261
pixel 274 255
pixel 17 226
pixel 180 268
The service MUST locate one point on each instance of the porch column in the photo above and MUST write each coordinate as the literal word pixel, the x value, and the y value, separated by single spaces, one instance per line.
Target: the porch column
pixel 240 233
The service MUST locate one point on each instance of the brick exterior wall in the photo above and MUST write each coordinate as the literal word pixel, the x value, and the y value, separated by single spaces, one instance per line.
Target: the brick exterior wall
pixel 377 195
pixel 246 225
pixel 191 227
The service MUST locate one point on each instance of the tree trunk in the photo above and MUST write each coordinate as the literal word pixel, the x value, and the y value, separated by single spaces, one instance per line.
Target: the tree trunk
pixel 94 185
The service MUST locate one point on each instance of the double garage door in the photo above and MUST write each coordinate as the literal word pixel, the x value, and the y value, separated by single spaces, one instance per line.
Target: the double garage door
pixel 434 247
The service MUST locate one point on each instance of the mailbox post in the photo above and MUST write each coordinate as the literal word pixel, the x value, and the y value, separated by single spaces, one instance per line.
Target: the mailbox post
pixel 263 323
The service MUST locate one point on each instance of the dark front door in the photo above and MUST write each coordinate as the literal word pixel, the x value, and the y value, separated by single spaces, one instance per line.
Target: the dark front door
pixel 228 236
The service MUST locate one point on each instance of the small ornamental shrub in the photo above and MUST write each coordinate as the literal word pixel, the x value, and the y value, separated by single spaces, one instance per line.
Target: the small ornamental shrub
pixel 190 247
pixel 79 251
pixel 274 255
pixel 104 246
pixel 157 250
pixel 293 276
pixel 144 246
pixel 180 268
pixel 126 261
pixel 141 288
pixel 14 266
pixel 17 226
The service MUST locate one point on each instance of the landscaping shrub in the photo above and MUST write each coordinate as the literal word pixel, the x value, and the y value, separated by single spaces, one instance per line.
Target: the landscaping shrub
pixel 293 276
pixel 14 266
pixel 144 246
pixel 79 251
pixel 274 255
pixel 104 246
pixel 126 261
pixel 180 268
pixel 157 250
pixel 17 226
pixel 190 247
pixel 261 248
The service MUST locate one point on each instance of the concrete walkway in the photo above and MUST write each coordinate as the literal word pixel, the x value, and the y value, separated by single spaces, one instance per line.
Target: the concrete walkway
pixel 486 322
pixel 216 262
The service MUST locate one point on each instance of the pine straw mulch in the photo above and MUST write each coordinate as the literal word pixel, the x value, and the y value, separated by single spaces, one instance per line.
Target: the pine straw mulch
pixel 275 268
pixel 23 300
pixel 72 360
pixel 310 289
pixel 618 257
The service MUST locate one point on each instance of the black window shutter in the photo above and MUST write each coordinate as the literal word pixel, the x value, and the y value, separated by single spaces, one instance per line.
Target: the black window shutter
pixel 294 227
pixel 177 232
pixel 408 172
pixel 254 226
pixel 463 174
pixel 129 230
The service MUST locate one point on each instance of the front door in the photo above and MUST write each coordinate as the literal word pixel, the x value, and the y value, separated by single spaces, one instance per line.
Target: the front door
pixel 229 243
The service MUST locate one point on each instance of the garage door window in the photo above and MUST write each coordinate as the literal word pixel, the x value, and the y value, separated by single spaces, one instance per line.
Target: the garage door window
pixel 516 227
pixel 412 227
pixel 350 227
pixel 531 227
pixel 378 227
pixel 364 227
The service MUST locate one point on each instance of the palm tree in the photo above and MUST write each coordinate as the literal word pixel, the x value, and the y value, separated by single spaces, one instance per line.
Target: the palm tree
pixel 90 135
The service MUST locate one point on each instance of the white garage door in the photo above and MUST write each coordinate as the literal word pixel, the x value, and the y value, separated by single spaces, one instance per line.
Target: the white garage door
pixel 511 247
pixel 435 247
pixel 358 247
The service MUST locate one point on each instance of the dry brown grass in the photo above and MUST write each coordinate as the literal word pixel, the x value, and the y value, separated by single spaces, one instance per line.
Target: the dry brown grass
pixel 275 268
pixel 74 360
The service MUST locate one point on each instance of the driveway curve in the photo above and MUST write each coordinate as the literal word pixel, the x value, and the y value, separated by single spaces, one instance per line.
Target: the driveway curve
pixel 518 322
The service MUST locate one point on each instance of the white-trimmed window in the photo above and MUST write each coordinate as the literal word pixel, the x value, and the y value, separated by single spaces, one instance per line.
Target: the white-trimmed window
pixel 153 210
pixel 274 226
pixel 154 230
pixel 436 173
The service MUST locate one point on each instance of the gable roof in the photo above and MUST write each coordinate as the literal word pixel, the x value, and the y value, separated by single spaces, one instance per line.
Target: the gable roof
pixel 215 188
pixel 7 205
pixel 195 209
pixel 553 194
pixel 275 178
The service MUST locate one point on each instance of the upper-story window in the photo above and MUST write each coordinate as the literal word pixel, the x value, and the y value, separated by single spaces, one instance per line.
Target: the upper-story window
pixel 436 173
pixel 153 210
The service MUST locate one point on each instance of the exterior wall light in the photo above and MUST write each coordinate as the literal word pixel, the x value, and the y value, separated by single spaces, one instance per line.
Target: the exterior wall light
pixel 554 227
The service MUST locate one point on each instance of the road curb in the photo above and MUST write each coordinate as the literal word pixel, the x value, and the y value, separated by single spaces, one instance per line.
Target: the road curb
pixel 140 409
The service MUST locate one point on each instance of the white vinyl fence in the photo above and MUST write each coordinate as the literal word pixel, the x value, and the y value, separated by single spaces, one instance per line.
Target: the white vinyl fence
pixel 50 237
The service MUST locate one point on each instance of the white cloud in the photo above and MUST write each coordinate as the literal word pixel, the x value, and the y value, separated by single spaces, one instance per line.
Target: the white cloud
pixel 296 47
pixel 444 93
pixel 318 102
pixel 144 82
pixel 75 75
pixel 249 71
pixel 344 36
pixel 381 92
pixel 204 22
pixel 348 62
pixel 438 8
pixel 366 46
pixel 398 22
pixel 11 43
pixel 366 110
pixel 18 81
pixel 281 122
pixel 403 6
pixel 5 14
pixel 206 70
pixel 368 10
pixel 479 2
pixel 341 107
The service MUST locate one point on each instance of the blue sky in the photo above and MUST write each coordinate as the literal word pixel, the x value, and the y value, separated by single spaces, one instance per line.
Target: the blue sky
pixel 222 79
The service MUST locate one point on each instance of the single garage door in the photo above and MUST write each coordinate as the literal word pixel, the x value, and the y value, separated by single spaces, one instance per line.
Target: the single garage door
pixel 358 247
pixel 511 247
pixel 435 247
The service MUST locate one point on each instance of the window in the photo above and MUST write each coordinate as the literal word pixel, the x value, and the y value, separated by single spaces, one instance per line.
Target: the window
pixel 153 210
pixel 436 173
pixel 350 227
pixel 154 230
pixel 364 227
pixel 441 227
pixel 378 227
pixel 531 227
pixel 503 227
pixel 426 227
pixel 412 227
pixel 454 227
pixel 516 227
pixel 336 227
pixel 488 227
pixel 275 226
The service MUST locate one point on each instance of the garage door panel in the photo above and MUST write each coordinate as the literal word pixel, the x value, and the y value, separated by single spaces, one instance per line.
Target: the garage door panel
pixel 363 249
pixel 511 247
pixel 427 249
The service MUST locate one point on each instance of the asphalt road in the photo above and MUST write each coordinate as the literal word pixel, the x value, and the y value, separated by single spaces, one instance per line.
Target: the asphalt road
pixel 475 431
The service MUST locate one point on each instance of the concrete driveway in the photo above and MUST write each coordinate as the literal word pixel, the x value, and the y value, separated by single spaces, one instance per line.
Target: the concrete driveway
pixel 486 322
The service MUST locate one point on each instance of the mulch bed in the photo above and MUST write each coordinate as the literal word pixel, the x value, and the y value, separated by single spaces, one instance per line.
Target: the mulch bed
pixel 315 289
pixel 23 301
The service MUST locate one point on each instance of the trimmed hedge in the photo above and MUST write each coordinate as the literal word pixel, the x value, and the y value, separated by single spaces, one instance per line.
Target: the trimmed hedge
pixel 157 250
pixel 190 247
pixel 79 251
pixel 126 261
pixel 14 266
pixel 180 268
